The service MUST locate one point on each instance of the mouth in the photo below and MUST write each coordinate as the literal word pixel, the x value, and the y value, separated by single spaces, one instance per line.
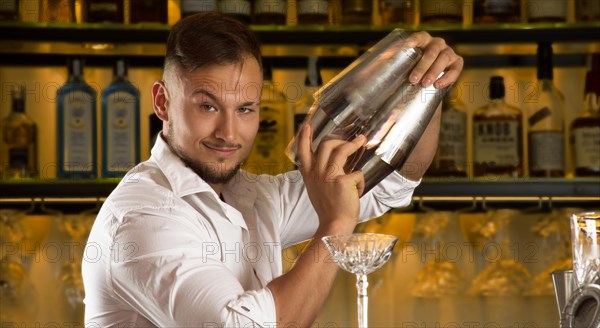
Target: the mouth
pixel 222 150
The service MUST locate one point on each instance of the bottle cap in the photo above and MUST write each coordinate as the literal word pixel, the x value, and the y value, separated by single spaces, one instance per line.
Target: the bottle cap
pixel 75 67
pixel 120 68
pixel 18 98
pixel 592 77
pixel 497 87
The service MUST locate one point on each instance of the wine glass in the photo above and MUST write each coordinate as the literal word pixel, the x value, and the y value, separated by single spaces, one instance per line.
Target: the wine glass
pixel 361 254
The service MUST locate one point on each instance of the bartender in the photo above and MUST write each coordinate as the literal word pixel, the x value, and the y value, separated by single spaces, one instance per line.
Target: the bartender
pixel 188 239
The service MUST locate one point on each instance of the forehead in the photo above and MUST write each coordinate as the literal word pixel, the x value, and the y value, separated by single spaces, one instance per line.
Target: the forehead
pixel 244 77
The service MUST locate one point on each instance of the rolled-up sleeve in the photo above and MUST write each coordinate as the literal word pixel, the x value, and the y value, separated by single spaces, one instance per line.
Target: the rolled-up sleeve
pixel 175 279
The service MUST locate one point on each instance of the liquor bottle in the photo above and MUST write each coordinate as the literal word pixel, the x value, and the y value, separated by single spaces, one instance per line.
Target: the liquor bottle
pixel 497 140
pixel 587 10
pixel 76 126
pixel 269 12
pixel 18 144
pixel 148 11
pixel 585 129
pixel 57 11
pixel 120 124
pixel 357 12
pixel 546 123
pixel 398 12
pixel 496 11
pixel 190 7
pixel 441 11
pixel 312 83
pixel 450 158
pixel 313 12
pixel 268 155
pixel 9 10
pixel 239 9
pixel 546 10
pixel 103 11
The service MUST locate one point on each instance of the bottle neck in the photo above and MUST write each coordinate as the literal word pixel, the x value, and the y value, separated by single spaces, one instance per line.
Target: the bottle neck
pixel 18 100
pixel 120 71
pixel 591 104
pixel 75 71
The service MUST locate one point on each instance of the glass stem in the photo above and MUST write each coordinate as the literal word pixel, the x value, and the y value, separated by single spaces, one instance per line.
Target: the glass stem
pixel 362 300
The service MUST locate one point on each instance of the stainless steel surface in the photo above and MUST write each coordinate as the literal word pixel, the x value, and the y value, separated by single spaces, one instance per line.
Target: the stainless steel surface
pixel 373 97
pixel 583 308
pixel 563 288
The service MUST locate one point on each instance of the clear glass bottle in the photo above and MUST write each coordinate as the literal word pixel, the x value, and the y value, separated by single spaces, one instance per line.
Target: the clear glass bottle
pixel 357 12
pixel 269 12
pixel 190 7
pixel 9 10
pixel 239 9
pixel 497 138
pixel 57 11
pixel 585 129
pixel 148 11
pixel 120 124
pixel 268 154
pixel 103 11
pixel 546 122
pixel 450 158
pixel 76 126
pixel 313 12
pixel 546 10
pixel 18 146
pixel 496 11
pixel 441 11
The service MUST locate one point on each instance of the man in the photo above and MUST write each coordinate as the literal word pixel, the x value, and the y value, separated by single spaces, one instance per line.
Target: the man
pixel 189 239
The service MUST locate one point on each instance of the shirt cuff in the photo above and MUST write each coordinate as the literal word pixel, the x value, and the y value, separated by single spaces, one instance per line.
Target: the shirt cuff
pixel 257 306
pixel 395 190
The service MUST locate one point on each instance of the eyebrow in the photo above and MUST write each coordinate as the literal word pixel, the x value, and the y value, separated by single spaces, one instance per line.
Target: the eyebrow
pixel 214 98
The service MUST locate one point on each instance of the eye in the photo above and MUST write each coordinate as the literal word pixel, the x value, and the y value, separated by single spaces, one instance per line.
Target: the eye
pixel 245 110
pixel 208 107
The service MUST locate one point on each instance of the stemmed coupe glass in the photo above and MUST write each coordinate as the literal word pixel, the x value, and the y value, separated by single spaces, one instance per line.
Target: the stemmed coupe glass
pixel 361 254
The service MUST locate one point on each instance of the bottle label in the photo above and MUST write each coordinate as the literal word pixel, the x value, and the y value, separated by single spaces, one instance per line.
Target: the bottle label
pixel 539 115
pixel 270 7
pixel 586 147
pixel 496 142
pixel 103 6
pixel 499 6
pixel 546 149
pixel 547 8
pixel 237 7
pixel 78 127
pixel 308 7
pixel 198 6
pixel 441 8
pixel 452 146
pixel 18 157
pixel 120 134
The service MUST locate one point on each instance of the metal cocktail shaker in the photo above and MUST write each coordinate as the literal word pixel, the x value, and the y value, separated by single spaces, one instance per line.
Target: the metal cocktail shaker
pixel 373 97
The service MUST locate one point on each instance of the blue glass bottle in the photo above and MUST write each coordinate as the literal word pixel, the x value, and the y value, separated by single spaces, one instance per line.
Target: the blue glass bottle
pixel 76 126
pixel 120 124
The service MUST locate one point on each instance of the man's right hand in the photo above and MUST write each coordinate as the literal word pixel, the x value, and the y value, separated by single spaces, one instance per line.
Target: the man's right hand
pixel 333 193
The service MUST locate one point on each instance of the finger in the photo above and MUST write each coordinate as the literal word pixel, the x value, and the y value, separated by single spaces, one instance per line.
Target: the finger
pixel 304 153
pixel 444 59
pixel 358 181
pixel 418 39
pixel 324 151
pixel 340 155
pixel 451 75
pixel 430 55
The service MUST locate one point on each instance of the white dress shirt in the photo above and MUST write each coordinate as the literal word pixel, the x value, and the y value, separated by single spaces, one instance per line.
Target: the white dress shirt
pixel 166 251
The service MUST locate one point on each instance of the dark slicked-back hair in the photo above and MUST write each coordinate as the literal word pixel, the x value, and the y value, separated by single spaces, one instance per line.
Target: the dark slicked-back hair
pixel 207 39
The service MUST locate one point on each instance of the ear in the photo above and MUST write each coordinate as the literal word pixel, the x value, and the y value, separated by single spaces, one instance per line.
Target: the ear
pixel 160 100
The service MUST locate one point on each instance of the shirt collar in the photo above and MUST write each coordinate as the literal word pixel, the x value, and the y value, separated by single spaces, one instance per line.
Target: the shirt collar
pixel 183 180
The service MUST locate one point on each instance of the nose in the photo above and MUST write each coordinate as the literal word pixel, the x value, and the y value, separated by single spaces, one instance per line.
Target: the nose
pixel 226 127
